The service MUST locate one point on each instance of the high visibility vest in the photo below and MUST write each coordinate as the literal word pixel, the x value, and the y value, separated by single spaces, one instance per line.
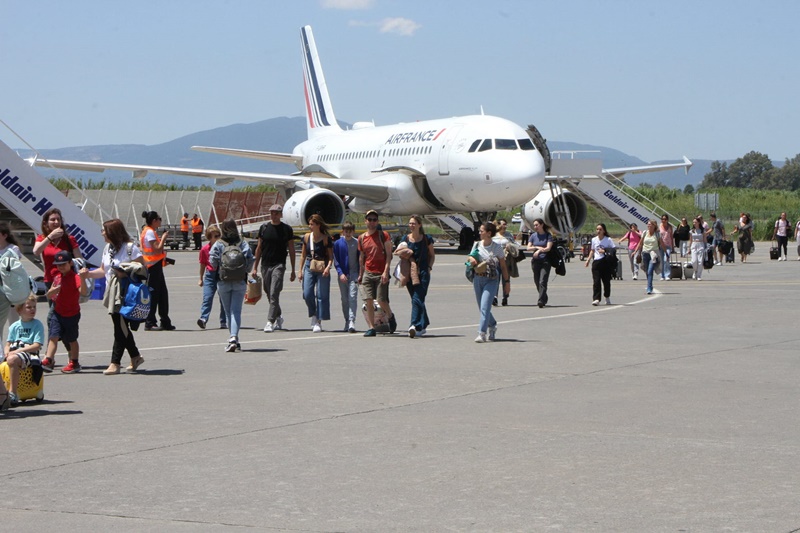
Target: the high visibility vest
pixel 148 252
pixel 197 225
pixel 185 224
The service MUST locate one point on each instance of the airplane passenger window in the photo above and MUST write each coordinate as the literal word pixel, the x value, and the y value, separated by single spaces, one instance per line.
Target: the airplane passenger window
pixel 474 146
pixel 485 145
pixel 526 144
pixel 505 144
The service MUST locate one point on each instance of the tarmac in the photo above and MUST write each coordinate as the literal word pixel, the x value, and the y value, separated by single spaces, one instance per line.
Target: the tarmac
pixel 671 412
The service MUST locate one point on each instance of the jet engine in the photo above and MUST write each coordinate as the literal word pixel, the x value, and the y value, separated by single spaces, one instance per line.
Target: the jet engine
pixel 546 207
pixel 304 203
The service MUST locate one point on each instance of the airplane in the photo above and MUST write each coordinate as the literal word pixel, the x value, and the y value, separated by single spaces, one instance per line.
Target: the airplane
pixel 477 163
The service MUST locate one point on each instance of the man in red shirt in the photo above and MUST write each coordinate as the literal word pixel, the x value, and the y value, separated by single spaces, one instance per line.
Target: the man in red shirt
pixel 65 292
pixel 375 261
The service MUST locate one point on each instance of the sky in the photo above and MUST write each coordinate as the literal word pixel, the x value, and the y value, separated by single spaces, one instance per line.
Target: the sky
pixel 657 80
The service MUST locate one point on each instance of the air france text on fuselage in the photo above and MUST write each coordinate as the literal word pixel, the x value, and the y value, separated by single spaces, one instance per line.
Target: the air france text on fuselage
pixel 414 136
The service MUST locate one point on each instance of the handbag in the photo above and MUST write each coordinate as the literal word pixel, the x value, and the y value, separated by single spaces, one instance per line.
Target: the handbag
pixel 638 258
pixel 136 304
pixel 469 272
pixel 253 293
pixel 315 265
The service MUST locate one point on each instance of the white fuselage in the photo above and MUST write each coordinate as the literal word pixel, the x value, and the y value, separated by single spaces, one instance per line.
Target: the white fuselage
pixel 473 163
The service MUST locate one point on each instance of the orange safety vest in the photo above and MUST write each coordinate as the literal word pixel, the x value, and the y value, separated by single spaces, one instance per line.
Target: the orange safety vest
pixel 197 225
pixel 185 223
pixel 148 253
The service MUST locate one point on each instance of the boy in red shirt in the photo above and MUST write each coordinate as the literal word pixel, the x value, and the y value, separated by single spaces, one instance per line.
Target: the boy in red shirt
pixel 66 291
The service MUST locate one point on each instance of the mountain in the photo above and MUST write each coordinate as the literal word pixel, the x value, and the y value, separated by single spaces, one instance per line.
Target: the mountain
pixel 282 134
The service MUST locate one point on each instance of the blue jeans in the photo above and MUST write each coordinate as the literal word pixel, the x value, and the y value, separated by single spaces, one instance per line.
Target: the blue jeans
pixel 649 267
pixel 419 314
pixel 231 294
pixel 349 294
pixel 209 290
pixel 316 293
pixel 665 263
pixel 485 289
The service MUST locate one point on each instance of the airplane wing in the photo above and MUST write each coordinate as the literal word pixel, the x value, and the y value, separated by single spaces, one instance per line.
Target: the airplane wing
pixel 619 172
pixel 279 157
pixel 374 190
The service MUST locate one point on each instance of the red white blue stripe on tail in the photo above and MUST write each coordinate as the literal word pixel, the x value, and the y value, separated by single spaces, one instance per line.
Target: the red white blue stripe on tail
pixel 318 104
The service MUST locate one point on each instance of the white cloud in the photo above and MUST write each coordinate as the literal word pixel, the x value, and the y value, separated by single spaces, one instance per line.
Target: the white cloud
pixel 347 4
pixel 397 25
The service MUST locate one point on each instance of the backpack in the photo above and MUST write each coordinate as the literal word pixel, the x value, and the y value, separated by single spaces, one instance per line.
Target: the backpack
pixel 136 305
pixel 232 263
pixel 16 284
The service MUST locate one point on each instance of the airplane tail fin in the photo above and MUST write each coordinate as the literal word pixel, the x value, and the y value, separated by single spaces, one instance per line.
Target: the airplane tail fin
pixel 319 110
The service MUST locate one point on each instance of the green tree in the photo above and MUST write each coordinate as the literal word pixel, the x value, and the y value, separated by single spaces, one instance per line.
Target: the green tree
pixel 745 171
pixel 689 189
pixel 718 177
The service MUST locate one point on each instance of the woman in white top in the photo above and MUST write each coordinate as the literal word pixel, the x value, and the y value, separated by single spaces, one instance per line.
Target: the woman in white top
pixel 697 237
pixel 781 234
pixel 7 242
pixel 485 283
pixel 651 248
pixel 119 249
pixel 603 260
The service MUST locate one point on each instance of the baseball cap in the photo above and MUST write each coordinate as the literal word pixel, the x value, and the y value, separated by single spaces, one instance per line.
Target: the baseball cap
pixel 62 257
pixel 276 207
pixel 371 212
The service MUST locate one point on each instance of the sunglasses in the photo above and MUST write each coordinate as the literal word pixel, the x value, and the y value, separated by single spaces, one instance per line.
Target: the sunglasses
pixel 372 220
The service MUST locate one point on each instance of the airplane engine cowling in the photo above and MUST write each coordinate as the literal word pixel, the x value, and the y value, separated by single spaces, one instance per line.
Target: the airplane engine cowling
pixel 302 204
pixel 543 206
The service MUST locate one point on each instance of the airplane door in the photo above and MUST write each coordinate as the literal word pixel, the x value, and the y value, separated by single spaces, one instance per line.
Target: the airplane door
pixel 445 149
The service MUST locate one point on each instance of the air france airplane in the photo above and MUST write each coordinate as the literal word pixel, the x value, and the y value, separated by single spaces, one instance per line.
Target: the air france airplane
pixel 478 164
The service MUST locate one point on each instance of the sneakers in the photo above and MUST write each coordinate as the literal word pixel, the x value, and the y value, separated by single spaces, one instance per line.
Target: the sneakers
pixel 136 362
pixel 13 399
pixel 316 325
pixel 635 277
pixel 481 337
pixel 351 327
pixel 370 332
pixel 279 323
pixel 112 369
pixel 492 333
pixel 48 364
pixel 422 332
pixel 494 304
pixel 541 305
pixel 73 367
pixel 608 301
pixel 392 324
pixel 233 345
pixel 780 259
pixel 201 323
pixel 168 328
pixel 269 328
pixel 596 302
pixel 152 328
pixel 6 402
pixel 223 326
pixel 412 332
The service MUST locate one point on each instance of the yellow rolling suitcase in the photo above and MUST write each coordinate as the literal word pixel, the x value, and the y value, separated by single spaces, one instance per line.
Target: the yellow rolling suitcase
pixel 26 389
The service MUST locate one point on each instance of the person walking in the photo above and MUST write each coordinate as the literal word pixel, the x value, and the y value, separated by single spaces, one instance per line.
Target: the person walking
pixel 232 259
pixel 8 243
pixel 506 240
pixel 275 243
pixel 698 248
pixel 540 243
pixel 185 229
pixel 154 259
pixel 681 237
pixel 419 252
pixel 487 259
pixel 718 235
pixel 745 231
pixel 208 281
pixel 651 249
pixel 666 231
pixel 603 264
pixel 121 259
pixel 633 236
pixel 781 233
pixel 375 263
pixel 345 261
pixel 316 258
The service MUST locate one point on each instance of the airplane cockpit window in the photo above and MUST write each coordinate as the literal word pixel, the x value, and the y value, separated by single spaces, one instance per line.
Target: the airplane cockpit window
pixel 505 144
pixel 474 146
pixel 526 144
pixel 485 145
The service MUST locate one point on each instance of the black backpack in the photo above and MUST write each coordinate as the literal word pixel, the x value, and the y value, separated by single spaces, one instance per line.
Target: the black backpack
pixel 233 263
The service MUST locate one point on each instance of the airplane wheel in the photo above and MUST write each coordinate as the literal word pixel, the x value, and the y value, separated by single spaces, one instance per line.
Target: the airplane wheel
pixel 465 239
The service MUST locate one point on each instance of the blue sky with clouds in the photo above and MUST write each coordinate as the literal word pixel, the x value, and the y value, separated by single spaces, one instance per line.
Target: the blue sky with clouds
pixel 657 80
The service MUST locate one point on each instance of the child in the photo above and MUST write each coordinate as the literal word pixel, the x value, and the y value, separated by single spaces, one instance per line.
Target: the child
pixel 25 338
pixel 66 291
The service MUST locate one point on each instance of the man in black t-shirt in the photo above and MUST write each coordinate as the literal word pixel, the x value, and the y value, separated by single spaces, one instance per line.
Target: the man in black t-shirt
pixel 275 242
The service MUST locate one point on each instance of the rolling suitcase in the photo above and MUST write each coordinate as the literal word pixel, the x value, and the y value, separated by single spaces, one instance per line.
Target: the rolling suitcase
pixel 774 252
pixel 730 255
pixel 675 268
pixel 27 389
pixel 381 322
